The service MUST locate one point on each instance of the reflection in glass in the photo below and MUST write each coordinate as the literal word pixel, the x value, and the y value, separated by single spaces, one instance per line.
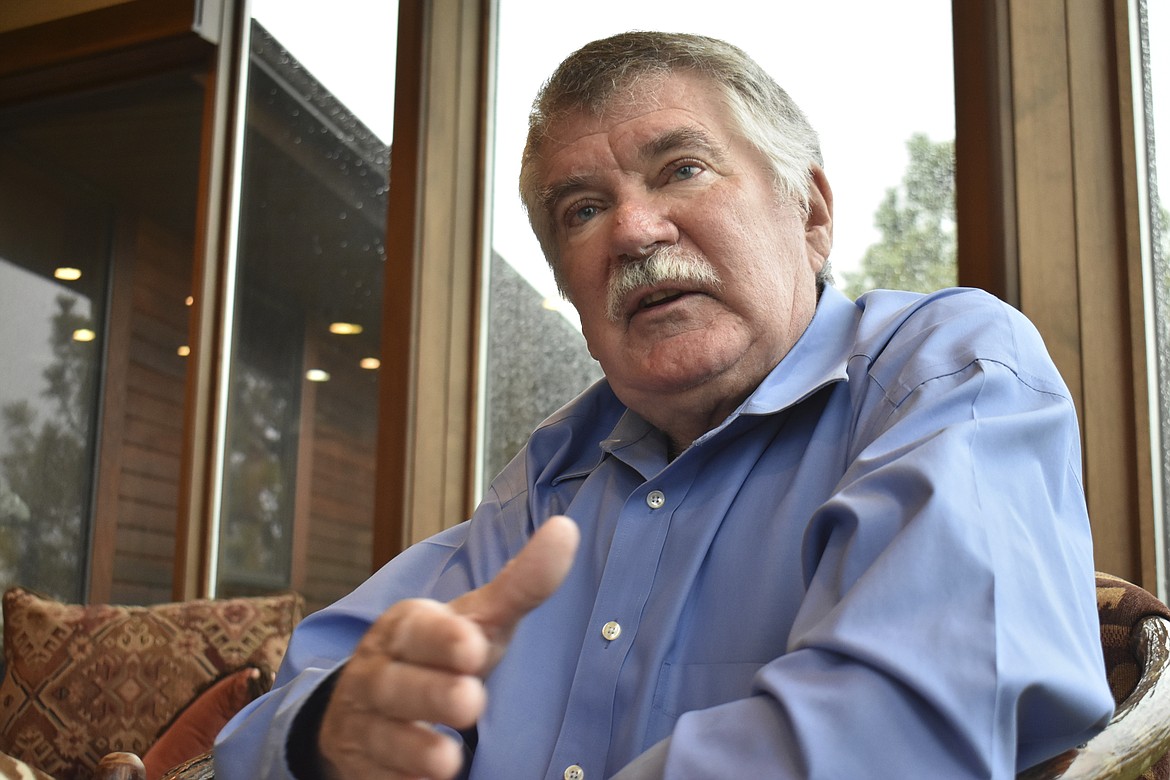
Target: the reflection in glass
pixel 97 214
pixel 538 361
pixel 47 411
pixel 297 507
pixel 48 390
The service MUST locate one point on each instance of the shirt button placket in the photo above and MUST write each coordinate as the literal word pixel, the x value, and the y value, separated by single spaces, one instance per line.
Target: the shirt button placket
pixel 655 499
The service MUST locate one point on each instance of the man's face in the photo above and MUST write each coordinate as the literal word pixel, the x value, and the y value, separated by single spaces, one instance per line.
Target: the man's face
pixel 665 169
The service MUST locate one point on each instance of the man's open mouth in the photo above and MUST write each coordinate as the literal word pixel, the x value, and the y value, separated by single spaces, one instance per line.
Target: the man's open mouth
pixel 659 297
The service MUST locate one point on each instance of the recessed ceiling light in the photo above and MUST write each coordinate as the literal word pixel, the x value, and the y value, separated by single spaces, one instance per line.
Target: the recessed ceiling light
pixel 317 375
pixel 84 334
pixel 370 363
pixel 67 274
pixel 345 328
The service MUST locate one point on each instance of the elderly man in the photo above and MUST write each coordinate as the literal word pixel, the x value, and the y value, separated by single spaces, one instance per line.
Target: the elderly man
pixel 810 537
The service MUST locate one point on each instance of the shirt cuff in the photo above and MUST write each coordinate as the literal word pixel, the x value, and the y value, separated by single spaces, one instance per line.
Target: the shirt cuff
pixel 301 749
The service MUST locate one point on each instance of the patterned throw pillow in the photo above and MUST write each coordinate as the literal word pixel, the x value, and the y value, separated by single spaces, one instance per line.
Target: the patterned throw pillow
pixel 1121 605
pixel 83 681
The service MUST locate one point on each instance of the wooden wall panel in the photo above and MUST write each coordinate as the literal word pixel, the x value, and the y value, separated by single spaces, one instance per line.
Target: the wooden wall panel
pixel 985 202
pixel 342 514
pixel 334 527
pixel 1109 415
pixel 140 467
pixel 1044 181
pixel 113 417
pixel 154 415
pixel 1077 255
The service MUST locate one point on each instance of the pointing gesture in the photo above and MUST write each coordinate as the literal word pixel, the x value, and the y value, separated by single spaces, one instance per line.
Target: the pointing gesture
pixel 424 662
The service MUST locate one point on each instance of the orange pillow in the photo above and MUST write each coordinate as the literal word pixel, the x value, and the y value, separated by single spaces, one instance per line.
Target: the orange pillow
pixel 194 729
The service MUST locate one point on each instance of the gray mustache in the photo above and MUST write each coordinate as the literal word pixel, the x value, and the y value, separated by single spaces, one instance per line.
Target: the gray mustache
pixel 668 264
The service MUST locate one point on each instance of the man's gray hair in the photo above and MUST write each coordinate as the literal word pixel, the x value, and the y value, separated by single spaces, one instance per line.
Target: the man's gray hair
pixel 603 72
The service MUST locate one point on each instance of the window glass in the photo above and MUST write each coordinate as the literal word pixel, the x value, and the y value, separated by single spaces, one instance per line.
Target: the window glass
pixel 1153 28
pixel 49 341
pixel 884 107
pixel 97 217
pixel 298 471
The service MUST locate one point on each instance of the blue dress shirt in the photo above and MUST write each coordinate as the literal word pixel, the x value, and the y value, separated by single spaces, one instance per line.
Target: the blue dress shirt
pixel 878 566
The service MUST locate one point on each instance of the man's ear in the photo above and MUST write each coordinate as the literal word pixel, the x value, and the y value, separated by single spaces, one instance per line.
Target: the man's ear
pixel 818 225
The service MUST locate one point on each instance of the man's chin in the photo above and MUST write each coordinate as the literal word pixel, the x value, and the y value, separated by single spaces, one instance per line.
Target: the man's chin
pixel 679 368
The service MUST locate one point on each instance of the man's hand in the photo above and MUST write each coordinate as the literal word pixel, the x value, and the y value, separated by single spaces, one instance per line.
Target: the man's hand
pixel 424 662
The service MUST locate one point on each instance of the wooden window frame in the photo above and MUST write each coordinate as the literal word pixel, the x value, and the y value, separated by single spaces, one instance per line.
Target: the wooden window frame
pixel 434 244
pixel 1047 211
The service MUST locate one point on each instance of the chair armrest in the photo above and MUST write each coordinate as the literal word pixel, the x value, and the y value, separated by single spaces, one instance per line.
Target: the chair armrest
pixel 12 767
pixel 198 768
pixel 120 766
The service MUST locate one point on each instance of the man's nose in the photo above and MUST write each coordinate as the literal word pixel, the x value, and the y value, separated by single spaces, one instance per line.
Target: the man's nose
pixel 640 226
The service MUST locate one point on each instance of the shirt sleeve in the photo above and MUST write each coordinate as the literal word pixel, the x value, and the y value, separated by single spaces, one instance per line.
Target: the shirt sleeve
pixel 254 744
pixel 949 627
pixel 651 765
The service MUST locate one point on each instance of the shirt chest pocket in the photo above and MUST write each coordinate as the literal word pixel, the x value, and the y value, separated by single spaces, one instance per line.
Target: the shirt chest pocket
pixel 685 687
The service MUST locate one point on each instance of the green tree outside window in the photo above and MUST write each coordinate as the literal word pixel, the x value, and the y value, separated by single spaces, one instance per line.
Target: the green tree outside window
pixel 917 224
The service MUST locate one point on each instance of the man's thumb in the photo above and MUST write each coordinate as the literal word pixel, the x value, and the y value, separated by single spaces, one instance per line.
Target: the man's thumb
pixel 527 580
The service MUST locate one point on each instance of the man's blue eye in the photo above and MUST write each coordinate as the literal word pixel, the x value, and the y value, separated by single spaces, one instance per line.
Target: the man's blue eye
pixel 585 213
pixel 686 171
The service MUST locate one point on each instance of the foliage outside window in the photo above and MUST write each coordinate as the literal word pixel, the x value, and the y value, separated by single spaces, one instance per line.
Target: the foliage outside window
pixel 97 214
pixel 45 468
pixel 917 224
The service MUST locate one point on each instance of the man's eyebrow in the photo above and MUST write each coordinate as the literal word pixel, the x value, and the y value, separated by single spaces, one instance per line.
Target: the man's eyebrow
pixel 548 196
pixel 681 138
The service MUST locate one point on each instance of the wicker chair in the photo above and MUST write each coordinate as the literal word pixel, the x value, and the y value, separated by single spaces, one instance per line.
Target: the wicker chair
pixel 127 766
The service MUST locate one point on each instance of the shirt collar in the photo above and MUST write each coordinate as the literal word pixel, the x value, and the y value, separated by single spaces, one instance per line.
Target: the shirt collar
pixel 818 358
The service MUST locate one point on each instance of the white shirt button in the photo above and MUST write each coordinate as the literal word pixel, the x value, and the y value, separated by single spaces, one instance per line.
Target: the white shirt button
pixel 655 499
pixel 611 630
pixel 574 772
